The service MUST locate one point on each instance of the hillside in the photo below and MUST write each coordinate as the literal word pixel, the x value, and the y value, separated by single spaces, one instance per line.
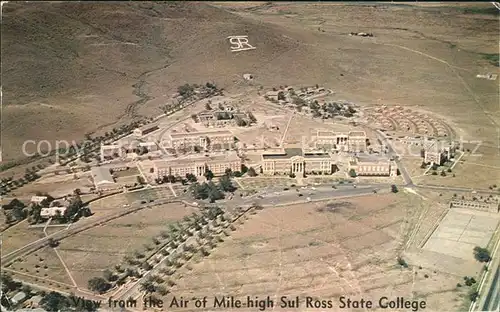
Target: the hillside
pixel 76 67
pixel 65 62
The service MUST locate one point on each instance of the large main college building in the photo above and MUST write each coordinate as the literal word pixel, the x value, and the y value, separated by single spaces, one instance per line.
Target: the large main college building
pixel 296 161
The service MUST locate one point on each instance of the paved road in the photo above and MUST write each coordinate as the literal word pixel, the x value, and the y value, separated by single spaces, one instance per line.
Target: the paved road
pixel 492 301
pixel 489 298
pixel 391 153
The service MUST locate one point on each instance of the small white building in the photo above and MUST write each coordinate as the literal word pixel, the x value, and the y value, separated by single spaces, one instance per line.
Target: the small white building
pixel 150 146
pixel 37 199
pixel 52 212
pixel 18 298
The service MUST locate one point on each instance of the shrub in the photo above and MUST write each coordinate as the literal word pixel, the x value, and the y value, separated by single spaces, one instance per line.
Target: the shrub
pixel 481 254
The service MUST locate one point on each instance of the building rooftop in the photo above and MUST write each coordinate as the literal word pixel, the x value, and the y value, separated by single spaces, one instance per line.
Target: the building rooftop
pixel 38 199
pixel 371 159
pixel 102 175
pixel 52 211
pixel 291 152
pixel 325 133
pixel 200 133
pixel 330 134
pixel 18 297
pixel 149 143
pixel 168 162
pixel 357 133
pixel 148 126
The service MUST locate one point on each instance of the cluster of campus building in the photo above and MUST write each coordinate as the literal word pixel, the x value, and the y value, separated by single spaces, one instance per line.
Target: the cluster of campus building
pixel 215 150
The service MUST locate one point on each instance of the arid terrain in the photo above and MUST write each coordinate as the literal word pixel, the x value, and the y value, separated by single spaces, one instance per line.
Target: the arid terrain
pixel 403 223
pixel 73 68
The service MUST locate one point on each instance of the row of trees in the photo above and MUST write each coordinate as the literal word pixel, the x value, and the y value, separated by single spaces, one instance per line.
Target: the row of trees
pixel 172 244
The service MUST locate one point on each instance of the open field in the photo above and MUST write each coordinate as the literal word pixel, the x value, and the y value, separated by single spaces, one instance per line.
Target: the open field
pixel 43 263
pixel 323 251
pixel 88 253
pixel 119 201
pixel 19 235
pixel 55 185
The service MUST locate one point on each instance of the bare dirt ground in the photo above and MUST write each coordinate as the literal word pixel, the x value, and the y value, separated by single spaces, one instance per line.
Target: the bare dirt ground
pixel 19 235
pixel 323 252
pixel 414 59
pixel 88 253
pixel 55 185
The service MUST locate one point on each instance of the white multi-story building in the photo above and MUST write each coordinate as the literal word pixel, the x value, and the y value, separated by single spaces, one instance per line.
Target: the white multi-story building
pixel 216 140
pixel 373 166
pixel 197 165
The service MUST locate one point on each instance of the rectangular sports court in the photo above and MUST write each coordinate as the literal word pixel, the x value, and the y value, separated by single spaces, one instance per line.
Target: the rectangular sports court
pixel 461 230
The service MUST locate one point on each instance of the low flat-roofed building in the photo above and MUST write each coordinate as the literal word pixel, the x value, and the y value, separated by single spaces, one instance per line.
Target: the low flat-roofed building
pixel 52 212
pixel 138 132
pixel 273 95
pixel 373 166
pixel 296 161
pixel 490 205
pixel 218 139
pixel 18 298
pixel 111 151
pixel 103 180
pixel 150 146
pixel 197 165
pixel 37 199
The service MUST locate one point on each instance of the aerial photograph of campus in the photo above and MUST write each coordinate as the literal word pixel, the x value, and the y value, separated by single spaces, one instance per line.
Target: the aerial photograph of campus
pixel 249 156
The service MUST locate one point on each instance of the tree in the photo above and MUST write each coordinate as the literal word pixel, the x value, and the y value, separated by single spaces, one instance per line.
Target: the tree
pixel 394 188
pixel 8 284
pixel 52 243
pixel 98 284
pixel 213 192
pixel 54 301
pixel 251 172
pixel 251 117
pixel 208 107
pixel 140 180
pixel 352 173
pixel 226 185
pixel 185 90
pixel 108 275
pixel 209 175
pixel 481 254
pixel 473 295
pixel 191 177
pixel 148 287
